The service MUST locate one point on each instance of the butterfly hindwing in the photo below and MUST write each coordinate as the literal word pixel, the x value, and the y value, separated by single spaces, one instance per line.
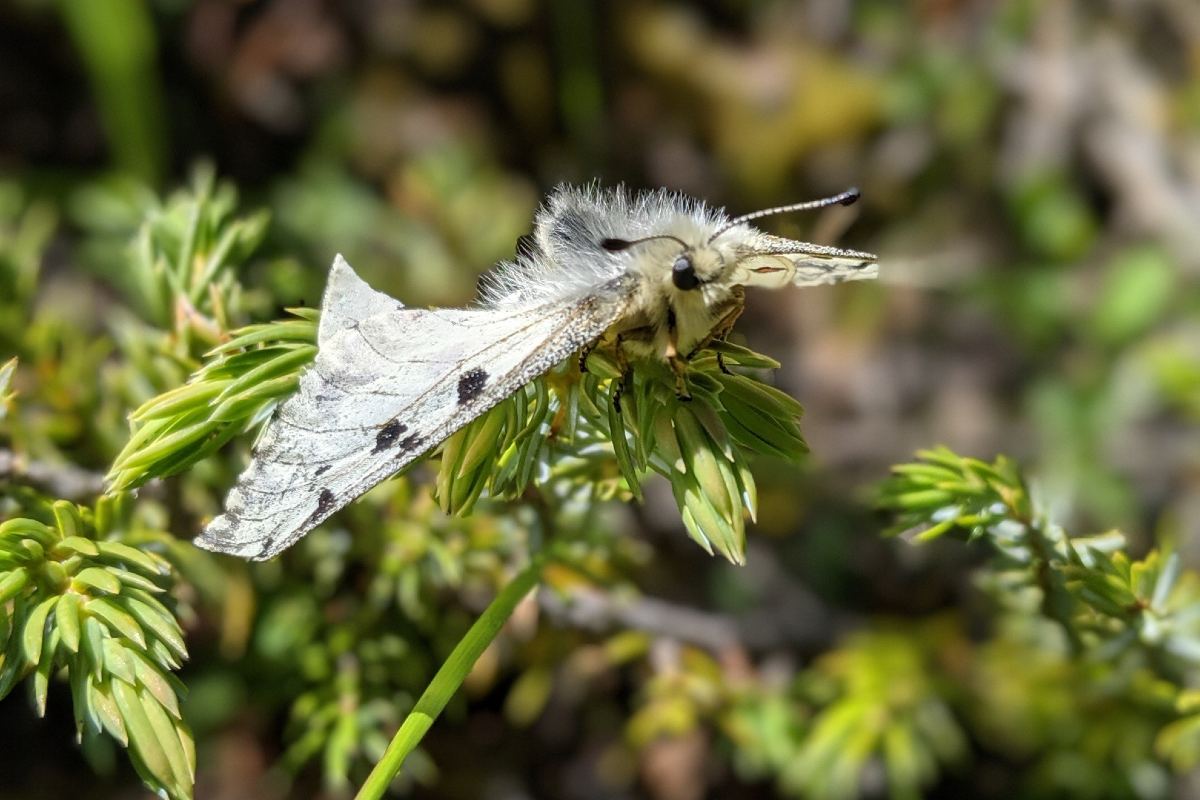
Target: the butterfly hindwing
pixel 388 384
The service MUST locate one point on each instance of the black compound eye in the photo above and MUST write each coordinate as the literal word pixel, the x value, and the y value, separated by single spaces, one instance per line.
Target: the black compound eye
pixel 683 274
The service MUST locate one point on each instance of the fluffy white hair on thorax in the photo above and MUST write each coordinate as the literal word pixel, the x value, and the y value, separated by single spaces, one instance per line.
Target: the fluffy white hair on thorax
pixel 568 263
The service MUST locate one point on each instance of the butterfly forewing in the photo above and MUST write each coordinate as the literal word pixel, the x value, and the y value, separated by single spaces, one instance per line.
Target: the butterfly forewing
pixel 388 384
pixel 773 262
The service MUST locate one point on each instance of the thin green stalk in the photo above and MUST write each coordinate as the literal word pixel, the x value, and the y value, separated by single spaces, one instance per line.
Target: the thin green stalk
pixel 1056 601
pixel 451 675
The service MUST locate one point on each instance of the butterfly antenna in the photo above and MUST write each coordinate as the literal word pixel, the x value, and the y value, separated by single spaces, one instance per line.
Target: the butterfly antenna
pixel 846 198
pixel 614 245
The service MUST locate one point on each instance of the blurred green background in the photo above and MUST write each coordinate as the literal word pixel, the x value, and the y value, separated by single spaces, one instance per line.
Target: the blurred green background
pixel 1031 181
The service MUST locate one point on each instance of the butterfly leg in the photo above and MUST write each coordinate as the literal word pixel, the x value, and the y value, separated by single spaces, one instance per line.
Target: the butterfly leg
pixel 623 367
pixel 584 352
pixel 641 336
pixel 679 367
pixel 678 363
pixel 725 325
pixel 729 313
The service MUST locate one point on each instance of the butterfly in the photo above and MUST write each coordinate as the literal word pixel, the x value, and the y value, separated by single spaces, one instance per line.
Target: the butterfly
pixel 655 274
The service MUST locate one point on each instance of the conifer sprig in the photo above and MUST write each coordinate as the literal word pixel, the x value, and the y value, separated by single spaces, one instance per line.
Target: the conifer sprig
pixel 75 599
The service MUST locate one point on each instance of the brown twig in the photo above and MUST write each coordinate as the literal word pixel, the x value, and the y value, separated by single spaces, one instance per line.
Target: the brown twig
pixel 791 617
pixel 63 481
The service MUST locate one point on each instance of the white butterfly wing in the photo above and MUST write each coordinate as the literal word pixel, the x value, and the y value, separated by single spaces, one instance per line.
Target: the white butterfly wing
pixel 773 262
pixel 388 384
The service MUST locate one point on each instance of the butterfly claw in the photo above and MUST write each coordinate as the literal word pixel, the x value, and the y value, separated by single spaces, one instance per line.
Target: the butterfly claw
pixel 619 391
pixel 679 367
pixel 721 364
pixel 624 380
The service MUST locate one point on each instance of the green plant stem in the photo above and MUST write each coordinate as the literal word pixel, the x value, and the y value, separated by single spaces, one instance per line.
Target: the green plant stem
pixel 449 677
pixel 1055 600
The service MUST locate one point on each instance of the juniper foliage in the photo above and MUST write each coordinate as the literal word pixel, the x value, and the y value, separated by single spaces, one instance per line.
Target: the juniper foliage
pixel 97 586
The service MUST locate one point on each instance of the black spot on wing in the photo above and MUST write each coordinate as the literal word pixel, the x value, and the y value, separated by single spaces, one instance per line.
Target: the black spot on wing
pixel 321 470
pixel 324 502
pixel 409 443
pixel 470 385
pixel 390 432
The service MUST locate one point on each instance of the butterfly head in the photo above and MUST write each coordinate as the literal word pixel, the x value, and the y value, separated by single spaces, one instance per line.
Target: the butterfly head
pixel 693 265
pixel 716 257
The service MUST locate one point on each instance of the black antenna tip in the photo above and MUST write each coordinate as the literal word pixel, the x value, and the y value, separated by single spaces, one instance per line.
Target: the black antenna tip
pixel 850 196
pixel 614 245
